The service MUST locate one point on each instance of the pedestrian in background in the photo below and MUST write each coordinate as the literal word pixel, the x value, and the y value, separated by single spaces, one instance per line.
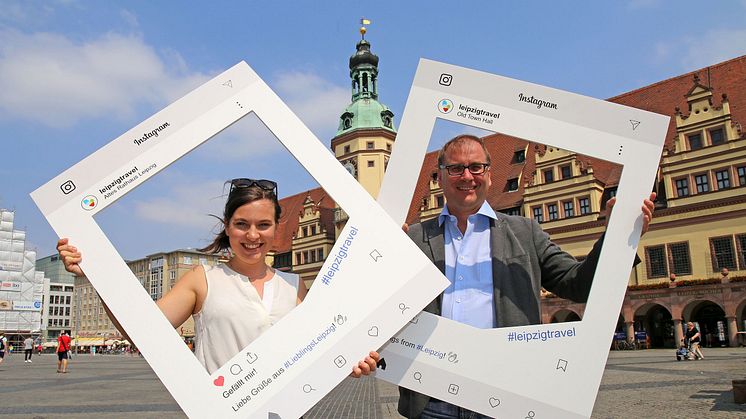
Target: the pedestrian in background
pixel 63 349
pixel 28 349
pixel 693 336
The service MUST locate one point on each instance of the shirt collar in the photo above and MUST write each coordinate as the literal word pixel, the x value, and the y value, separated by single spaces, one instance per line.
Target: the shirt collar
pixel 484 210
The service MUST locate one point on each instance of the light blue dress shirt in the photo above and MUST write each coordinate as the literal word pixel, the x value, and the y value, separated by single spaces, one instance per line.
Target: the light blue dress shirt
pixel 470 297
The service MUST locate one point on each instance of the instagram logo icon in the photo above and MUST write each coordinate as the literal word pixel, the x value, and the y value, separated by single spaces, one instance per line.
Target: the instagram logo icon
pixel 67 187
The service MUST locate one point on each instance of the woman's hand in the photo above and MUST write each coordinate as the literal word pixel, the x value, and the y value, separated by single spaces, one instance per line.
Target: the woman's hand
pixel 70 257
pixel 366 366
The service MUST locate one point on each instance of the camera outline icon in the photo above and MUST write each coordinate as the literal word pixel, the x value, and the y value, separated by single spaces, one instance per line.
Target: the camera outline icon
pixel 445 79
pixel 67 187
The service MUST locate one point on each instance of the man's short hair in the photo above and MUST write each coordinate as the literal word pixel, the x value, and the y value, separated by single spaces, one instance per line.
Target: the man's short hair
pixel 460 141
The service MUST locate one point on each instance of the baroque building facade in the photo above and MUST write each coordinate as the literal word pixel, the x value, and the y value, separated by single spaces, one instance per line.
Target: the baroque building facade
pixel 694 256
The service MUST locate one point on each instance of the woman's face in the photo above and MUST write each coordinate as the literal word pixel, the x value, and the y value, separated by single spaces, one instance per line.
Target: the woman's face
pixel 251 231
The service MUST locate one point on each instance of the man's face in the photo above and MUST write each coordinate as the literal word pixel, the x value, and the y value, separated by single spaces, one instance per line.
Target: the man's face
pixel 464 193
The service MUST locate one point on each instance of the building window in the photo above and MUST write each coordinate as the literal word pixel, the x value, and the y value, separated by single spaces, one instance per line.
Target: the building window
pixel 320 254
pixel 538 214
pixel 305 232
pixel 439 201
pixel 703 184
pixel 298 260
pixel 388 146
pixel 585 206
pixel 682 187
pixel 513 184
pixel 741 171
pixel 717 136
pixel 723 255
pixel 188 260
pixel 656 261
pixel 548 176
pixel 519 156
pixel 305 257
pixel 566 172
pixel 695 141
pixel 313 230
pixel 512 211
pixel 723 179
pixel 346 149
pixel 369 145
pixel 568 208
pixel 371 163
pixel 679 258
pixel 552 212
pixel 313 256
pixel 741 243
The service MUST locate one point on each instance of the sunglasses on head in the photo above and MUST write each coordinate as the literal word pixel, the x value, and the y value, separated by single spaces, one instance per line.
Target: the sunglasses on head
pixel 264 184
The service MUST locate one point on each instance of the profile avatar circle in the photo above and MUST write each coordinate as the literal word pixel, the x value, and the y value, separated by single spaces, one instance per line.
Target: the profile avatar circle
pixel 89 202
pixel 445 105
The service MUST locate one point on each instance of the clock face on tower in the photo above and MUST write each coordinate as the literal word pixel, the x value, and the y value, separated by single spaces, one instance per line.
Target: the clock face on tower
pixel 350 167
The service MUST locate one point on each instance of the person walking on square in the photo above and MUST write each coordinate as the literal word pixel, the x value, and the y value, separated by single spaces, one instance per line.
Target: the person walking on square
pixel 28 349
pixel 3 346
pixel 501 261
pixel 63 349
pixel 694 337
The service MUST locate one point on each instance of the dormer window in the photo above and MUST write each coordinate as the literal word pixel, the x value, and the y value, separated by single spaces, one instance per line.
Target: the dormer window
pixel 387 122
pixel 695 141
pixel 566 172
pixel 513 184
pixel 548 176
pixel 347 123
pixel 519 156
pixel 717 136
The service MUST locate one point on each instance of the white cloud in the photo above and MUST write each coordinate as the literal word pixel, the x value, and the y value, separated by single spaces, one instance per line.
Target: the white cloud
pixel 318 102
pixel 713 47
pixel 188 205
pixel 48 78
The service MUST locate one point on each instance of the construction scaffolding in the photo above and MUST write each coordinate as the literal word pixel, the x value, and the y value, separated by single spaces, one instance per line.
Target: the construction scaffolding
pixel 21 286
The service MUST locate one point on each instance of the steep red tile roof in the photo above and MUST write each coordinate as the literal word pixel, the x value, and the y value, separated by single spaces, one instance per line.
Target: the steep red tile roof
pixel 291 210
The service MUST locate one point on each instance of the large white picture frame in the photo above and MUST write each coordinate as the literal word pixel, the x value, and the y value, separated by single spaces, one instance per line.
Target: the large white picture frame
pixel 372 254
pixel 537 371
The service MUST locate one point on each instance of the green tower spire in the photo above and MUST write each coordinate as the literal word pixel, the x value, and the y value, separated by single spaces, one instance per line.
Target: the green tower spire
pixel 365 112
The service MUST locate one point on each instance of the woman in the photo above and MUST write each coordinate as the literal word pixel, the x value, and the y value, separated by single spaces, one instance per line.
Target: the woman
pixel 233 303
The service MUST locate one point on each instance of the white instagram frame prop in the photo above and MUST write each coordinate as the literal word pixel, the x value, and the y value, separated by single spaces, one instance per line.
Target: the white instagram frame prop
pixel 481 370
pixel 273 375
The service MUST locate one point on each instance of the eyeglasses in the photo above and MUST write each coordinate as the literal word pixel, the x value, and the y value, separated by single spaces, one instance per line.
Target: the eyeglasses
pixel 458 169
pixel 264 184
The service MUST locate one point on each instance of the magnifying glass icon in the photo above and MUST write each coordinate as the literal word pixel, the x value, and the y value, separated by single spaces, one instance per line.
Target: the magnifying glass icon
pixel 307 388
pixel 418 376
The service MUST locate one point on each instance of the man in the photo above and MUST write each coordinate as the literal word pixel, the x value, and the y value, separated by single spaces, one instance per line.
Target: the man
pixel 497 264
pixel 3 346
pixel 63 347
pixel 28 349
pixel 693 337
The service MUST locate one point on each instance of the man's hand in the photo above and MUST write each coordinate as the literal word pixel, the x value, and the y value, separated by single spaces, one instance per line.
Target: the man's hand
pixel 648 206
pixel 70 257
pixel 366 366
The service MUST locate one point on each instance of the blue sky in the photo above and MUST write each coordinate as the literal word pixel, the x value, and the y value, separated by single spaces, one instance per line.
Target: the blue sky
pixel 76 74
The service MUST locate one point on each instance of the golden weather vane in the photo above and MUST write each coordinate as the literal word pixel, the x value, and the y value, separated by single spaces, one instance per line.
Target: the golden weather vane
pixel 363 22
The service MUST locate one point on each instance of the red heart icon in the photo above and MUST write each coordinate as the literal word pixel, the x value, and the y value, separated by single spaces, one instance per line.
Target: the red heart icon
pixel 219 381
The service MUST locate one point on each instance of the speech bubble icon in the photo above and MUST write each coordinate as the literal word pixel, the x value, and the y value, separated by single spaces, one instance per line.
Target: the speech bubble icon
pixel 236 369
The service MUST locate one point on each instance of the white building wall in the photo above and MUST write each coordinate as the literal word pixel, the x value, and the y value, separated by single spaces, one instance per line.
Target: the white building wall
pixel 21 286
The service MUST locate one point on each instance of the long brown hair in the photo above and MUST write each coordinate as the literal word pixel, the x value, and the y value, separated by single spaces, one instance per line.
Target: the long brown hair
pixel 238 197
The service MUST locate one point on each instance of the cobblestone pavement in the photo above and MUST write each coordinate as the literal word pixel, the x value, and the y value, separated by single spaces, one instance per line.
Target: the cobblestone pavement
pixel 636 384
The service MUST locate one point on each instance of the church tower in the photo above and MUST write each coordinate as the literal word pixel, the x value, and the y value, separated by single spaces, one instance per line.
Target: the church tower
pixel 366 130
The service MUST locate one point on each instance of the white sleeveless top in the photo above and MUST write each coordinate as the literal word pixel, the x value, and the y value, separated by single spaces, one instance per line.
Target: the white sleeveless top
pixel 233 315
